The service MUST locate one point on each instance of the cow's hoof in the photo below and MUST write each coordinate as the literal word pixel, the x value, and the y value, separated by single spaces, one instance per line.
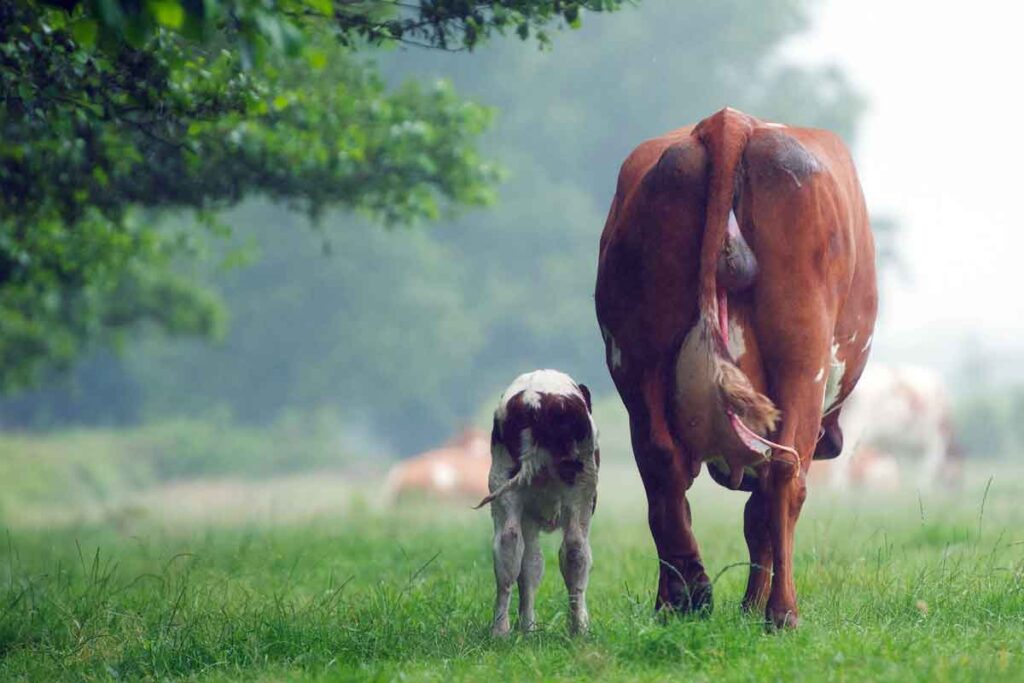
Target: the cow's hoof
pixel 691 598
pixel 752 605
pixel 779 619
pixel 501 630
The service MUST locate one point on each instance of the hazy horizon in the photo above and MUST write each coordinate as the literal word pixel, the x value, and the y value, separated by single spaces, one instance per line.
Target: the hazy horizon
pixel 934 153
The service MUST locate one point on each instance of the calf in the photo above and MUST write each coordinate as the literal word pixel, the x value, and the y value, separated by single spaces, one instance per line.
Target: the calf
pixel 544 461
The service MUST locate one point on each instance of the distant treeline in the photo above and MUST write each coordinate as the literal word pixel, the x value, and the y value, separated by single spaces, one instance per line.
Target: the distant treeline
pixel 407 332
pixel 991 423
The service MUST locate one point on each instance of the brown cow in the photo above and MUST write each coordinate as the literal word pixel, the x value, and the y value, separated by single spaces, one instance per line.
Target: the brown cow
pixel 736 295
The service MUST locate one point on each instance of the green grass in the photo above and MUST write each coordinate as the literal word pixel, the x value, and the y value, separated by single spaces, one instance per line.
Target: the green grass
pixel 39 471
pixel 904 589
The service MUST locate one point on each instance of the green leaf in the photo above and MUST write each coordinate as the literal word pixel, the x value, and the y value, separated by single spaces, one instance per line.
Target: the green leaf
pixel 84 32
pixel 316 58
pixel 168 13
pixel 324 7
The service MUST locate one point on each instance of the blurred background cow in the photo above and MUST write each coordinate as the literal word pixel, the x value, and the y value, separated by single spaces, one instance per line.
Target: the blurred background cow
pixel 455 471
pixel 897 429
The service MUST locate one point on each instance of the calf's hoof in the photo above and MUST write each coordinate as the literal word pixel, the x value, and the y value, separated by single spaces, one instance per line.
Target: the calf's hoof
pixel 501 629
pixel 578 624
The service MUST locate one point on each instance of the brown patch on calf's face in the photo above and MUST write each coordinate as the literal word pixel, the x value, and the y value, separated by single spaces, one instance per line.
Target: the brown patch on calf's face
pixel 510 429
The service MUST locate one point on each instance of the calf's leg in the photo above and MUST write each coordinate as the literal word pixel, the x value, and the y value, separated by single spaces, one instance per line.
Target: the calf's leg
pixel 508 557
pixel 574 559
pixel 530 575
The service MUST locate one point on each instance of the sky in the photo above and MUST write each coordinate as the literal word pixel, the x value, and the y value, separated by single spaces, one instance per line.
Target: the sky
pixel 939 150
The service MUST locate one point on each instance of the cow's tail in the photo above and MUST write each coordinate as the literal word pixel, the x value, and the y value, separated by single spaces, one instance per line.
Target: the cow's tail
pixel 727 264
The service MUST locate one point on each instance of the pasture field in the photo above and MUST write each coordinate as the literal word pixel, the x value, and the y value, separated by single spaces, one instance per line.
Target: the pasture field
pixel 905 587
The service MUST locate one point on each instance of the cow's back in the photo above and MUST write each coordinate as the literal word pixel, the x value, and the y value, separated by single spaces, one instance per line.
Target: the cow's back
pixel 647 266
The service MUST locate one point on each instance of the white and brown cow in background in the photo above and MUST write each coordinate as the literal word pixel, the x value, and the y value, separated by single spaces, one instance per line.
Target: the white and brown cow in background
pixel 897 424
pixel 543 477
pixel 456 470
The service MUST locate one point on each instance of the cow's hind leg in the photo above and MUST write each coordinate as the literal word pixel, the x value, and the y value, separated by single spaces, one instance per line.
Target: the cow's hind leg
pixel 508 557
pixel 785 489
pixel 530 575
pixel 574 559
pixel 683 584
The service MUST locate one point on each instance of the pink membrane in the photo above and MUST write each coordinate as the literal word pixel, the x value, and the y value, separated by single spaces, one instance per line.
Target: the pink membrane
pixel 748 436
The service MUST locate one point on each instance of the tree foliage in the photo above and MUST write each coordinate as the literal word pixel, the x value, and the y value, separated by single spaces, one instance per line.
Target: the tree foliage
pixel 283 24
pixel 410 333
pixel 112 106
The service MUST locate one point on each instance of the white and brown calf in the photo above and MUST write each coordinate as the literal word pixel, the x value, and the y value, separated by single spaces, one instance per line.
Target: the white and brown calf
pixel 544 461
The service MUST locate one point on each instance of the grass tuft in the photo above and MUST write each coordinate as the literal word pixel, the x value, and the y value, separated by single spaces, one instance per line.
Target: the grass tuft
pixel 910 588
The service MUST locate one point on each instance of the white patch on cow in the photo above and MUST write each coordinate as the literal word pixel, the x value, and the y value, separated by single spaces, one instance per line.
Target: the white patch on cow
pixel 833 385
pixel 533 384
pixel 853 337
pixel 769 124
pixel 867 344
pixel 444 476
pixel 614 352
pixel 821 375
pixel 737 344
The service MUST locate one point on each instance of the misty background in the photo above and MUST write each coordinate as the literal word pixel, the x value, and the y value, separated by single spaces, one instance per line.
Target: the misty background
pixel 341 337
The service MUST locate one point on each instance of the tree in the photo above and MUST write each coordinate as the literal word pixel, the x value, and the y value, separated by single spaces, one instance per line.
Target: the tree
pixel 283 25
pixel 114 106
pixel 413 334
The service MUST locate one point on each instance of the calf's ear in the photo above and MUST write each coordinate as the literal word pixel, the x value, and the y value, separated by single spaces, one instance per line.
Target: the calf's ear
pixel 586 397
